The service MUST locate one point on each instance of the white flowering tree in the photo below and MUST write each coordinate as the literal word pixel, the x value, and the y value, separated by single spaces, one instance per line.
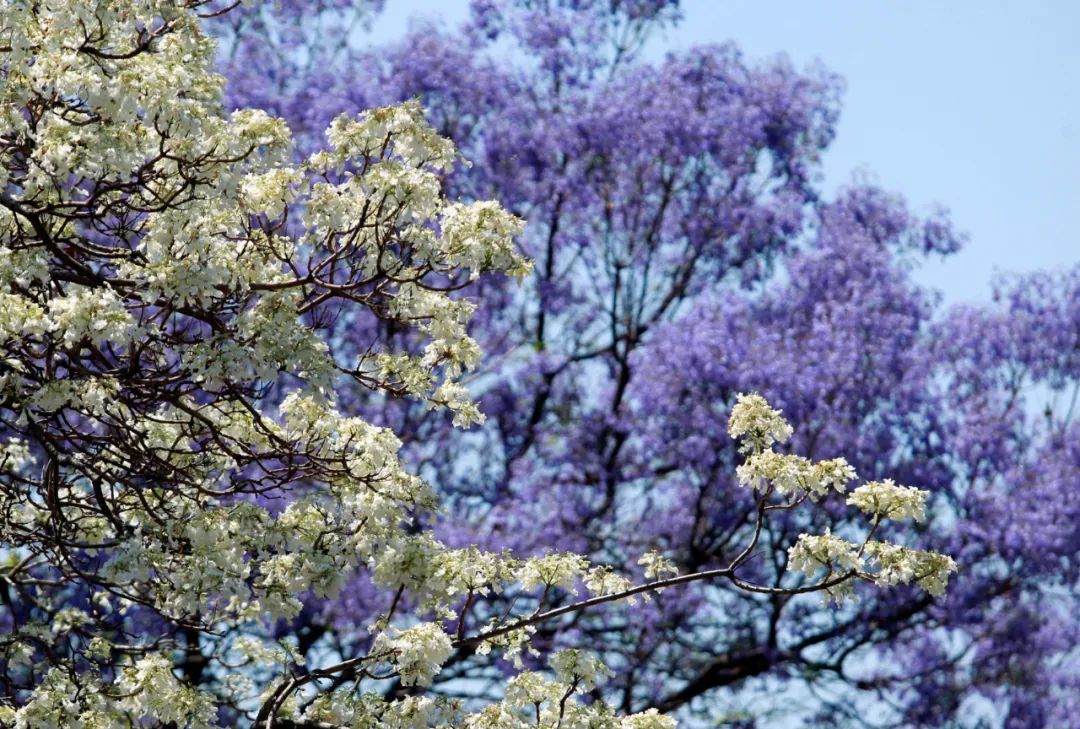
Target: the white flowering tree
pixel 174 472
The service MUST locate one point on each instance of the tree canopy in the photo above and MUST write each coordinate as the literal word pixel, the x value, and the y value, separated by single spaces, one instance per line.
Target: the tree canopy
pixel 684 252
pixel 229 361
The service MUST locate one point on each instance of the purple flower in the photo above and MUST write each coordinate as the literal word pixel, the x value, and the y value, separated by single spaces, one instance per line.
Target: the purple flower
pixel 683 253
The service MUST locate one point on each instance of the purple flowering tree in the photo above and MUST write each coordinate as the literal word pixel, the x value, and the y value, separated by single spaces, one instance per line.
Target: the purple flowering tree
pixel 683 253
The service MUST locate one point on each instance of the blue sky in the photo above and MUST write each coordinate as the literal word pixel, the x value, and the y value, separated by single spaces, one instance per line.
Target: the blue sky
pixel 971 105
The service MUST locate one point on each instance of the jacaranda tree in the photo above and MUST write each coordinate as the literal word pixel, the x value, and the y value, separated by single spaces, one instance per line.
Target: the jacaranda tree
pixel 195 320
pixel 683 253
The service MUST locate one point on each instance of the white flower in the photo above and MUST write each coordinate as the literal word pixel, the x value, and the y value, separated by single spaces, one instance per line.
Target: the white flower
pixel 417 654
pixel 603 580
pixel 15 456
pixel 97 315
pixel 657 565
pixel 793 475
pixel 152 691
pixel 561 569
pixel 827 551
pixel 757 423
pixel 899 565
pixel 572 665
pixel 886 500
pixel 651 719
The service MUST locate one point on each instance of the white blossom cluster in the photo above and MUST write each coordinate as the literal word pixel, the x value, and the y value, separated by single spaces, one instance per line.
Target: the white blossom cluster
pixel 837 556
pixel 657 565
pixel 531 699
pixel 136 352
pixel 792 475
pixel 891 564
pixel 417 653
pixel 757 423
pixel 829 556
pixel 886 500
pixel 810 552
pixel 899 565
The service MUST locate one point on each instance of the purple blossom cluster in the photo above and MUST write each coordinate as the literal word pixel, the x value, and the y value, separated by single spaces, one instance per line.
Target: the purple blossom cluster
pixel 683 253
